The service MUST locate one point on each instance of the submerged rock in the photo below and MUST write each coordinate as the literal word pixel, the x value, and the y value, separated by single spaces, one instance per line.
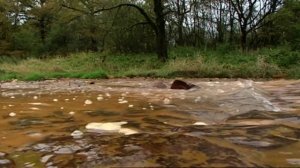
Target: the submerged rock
pixel 160 85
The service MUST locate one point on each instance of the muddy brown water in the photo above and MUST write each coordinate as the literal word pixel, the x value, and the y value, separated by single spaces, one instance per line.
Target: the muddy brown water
pixel 237 123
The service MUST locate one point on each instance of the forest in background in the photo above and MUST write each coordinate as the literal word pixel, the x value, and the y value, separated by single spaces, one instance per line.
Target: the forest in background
pixel 222 30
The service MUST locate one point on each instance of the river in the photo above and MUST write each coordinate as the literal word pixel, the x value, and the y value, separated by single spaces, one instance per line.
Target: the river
pixel 142 123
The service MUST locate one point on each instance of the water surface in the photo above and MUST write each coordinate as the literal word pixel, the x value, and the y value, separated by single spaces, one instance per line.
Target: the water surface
pixel 221 123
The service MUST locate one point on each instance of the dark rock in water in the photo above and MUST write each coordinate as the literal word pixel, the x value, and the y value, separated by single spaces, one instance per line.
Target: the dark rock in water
pixel 92 83
pixel 178 84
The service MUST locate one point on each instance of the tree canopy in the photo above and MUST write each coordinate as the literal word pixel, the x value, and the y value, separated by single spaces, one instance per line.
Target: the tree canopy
pixel 46 27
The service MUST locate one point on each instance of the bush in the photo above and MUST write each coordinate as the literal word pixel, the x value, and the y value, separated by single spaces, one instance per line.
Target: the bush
pixel 286 58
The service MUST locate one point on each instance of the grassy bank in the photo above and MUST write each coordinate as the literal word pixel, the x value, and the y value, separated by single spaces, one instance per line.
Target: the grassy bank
pixel 183 62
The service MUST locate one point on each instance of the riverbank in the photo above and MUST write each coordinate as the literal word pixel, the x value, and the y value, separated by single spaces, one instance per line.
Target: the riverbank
pixel 183 62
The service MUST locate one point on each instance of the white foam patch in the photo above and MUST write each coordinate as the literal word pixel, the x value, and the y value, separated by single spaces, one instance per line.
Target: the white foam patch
pixel 99 98
pixel 72 113
pixel 200 123
pixel 88 102
pixel 34 108
pixel 167 101
pixel 38 104
pixel 12 114
pixel 130 105
pixel 110 127
pixel 127 131
pixel 123 102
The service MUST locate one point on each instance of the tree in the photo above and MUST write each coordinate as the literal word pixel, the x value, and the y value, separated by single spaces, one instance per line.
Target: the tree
pixel 41 14
pixel 180 9
pixel 286 23
pixel 251 14
pixel 4 27
pixel 158 24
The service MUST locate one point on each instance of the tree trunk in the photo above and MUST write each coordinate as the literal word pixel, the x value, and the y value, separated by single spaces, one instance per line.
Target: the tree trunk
pixel 244 39
pixel 42 28
pixel 94 44
pixel 231 28
pixel 180 41
pixel 161 39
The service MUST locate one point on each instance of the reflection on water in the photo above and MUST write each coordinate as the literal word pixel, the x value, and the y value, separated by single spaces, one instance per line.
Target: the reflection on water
pixel 71 123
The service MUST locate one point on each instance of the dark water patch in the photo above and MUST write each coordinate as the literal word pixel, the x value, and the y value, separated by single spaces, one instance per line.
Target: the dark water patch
pixel 153 121
pixel 28 121
pixel 252 142
pixel 60 117
pixel 132 124
pixel 255 114
pixel 167 117
pixel 102 113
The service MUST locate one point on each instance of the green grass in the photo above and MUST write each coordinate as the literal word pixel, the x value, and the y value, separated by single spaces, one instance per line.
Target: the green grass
pixel 183 62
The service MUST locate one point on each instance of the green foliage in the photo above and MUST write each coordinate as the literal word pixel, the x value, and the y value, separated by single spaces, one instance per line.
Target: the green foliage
pixel 27 40
pixel 286 58
pixel 95 75
pixel 5 75
pixel 285 26
pixel 34 77
pixel 293 72
pixel 266 63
